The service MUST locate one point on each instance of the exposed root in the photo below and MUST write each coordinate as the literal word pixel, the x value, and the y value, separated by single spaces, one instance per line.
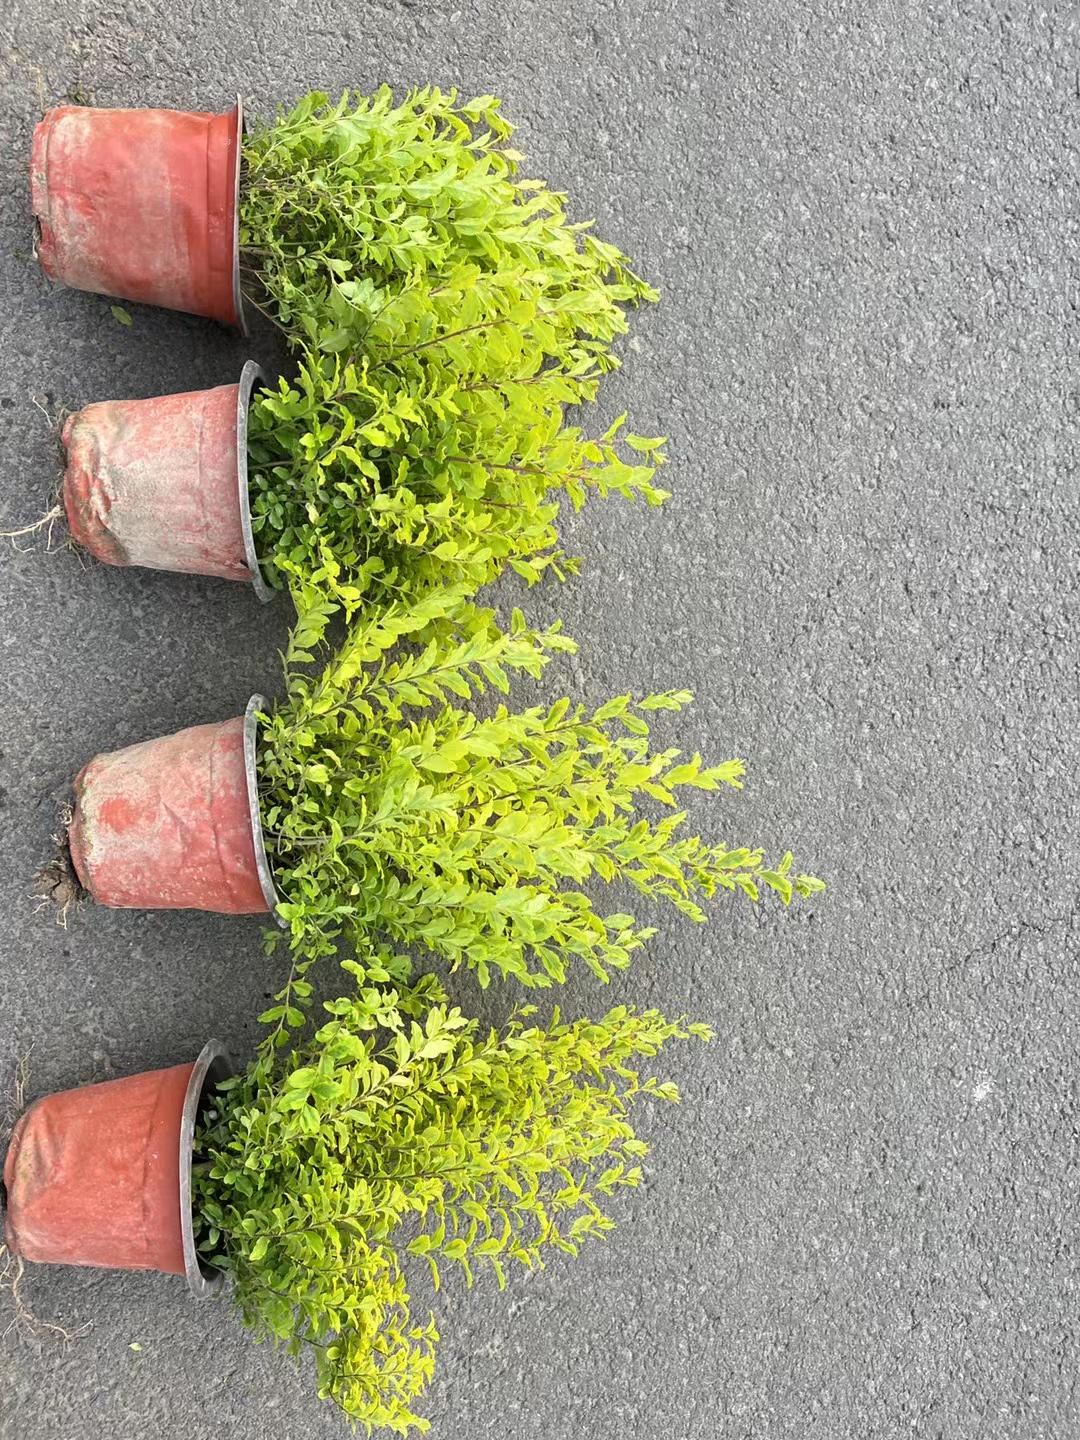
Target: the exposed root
pixel 55 420
pixel 17 1099
pixel 24 1320
pixel 55 513
pixel 47 521
pixel 58 883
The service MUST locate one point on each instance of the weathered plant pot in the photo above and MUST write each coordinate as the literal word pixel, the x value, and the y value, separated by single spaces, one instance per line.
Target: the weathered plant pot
pixel 141 204
pixel 173 824
pixel 164 483
pixel 102 1175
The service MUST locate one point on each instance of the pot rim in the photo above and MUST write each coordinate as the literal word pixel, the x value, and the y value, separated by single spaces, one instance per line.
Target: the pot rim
pixel 248 376
pixel 238 298
pixel 266 879
pixel 212 1066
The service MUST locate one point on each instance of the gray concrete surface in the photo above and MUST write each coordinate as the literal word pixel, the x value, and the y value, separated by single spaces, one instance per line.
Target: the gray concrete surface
pixel 862 1222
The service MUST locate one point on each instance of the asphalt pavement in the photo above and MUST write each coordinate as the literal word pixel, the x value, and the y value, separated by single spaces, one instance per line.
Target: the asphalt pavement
pixel 862 1221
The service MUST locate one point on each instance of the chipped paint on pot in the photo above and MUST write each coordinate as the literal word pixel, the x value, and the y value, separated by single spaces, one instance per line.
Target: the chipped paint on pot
pixel 141 204
pixel 162 483
pixel 172 824
pixel 102 1175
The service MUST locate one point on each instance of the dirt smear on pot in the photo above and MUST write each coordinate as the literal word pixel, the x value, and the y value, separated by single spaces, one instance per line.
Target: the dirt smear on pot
pixel 22 1317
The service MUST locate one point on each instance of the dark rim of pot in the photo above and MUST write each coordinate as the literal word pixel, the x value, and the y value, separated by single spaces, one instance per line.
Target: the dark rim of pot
pixel 212 1066
pixel 251 735
pixel 248 376
pixel 238 298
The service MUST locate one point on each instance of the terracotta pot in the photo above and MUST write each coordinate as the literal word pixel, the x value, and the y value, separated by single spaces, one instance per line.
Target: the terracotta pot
pixel 164 482
pixel 142 204
pixel 102 1175
pixel 173 824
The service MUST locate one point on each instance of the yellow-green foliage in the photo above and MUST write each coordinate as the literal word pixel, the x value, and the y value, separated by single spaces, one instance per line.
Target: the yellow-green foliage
pixel 346 207
pixel 392 810
pixel 445 311
pixel 401 1130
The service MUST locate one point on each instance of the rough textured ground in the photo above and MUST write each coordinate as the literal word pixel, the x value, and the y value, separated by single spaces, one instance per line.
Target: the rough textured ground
pixel 863 1220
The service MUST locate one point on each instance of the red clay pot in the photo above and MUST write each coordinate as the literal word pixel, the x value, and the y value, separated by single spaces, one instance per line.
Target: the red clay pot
pixel 102 1175
pixel 164 483
pixel 142 204
pixel 173 824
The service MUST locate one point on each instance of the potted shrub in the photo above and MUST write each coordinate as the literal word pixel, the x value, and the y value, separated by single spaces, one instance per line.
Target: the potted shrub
pixel 373 481
pixel 173 208
pixel 384 807
pixel 398 1134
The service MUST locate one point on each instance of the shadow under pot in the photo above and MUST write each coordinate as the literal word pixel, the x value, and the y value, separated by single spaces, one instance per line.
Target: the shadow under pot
pixel 173 824
pixel 102 1175
pixel 141 204
pixel 163 483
